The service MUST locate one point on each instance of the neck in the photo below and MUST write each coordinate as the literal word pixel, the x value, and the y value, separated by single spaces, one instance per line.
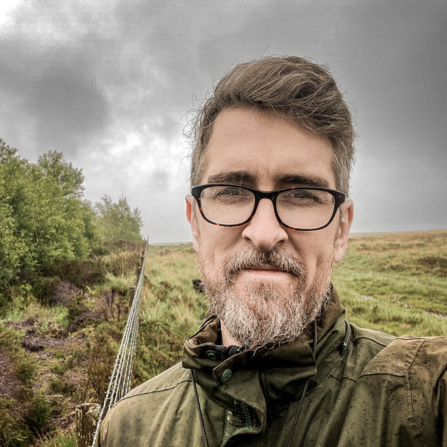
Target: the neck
pixel 227 339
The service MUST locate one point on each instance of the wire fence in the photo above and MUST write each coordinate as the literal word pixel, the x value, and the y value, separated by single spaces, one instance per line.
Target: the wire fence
pixel 122 370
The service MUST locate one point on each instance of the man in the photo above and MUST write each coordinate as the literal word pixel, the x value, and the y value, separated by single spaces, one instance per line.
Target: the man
pixel 275 363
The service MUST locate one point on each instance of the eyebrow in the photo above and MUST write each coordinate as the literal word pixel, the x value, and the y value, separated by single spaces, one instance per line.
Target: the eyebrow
pixel 304 180
pixel 232 177
pixel 238 177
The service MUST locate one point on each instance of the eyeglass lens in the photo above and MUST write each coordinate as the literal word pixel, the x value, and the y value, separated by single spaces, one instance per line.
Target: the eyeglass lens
pixel 298 208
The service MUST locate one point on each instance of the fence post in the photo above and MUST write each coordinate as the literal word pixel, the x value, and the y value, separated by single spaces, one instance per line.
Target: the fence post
pixel 86 417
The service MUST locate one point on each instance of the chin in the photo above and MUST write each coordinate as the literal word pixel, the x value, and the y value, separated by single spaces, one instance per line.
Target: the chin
pixel 284 284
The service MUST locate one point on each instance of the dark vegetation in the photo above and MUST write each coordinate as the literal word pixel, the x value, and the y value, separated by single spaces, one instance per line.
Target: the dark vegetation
pixel 67 269
pixel 57 348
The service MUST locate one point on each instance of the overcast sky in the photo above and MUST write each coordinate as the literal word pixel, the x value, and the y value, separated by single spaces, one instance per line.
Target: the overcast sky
pixel 110 83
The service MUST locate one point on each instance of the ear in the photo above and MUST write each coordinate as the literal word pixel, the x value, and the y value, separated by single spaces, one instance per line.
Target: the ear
pixel 191 216
pixel 341 242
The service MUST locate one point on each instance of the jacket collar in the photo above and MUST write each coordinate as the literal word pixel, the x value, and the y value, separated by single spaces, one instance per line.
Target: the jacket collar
pixel 272 377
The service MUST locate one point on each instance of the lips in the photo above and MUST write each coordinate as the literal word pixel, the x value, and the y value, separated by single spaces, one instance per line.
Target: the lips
pixel 266 268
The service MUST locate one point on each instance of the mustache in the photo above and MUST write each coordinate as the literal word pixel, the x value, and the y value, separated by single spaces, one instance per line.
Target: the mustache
pixel 275 258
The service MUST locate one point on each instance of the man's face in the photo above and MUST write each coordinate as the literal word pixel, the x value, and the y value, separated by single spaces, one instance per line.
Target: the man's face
pixel 266 152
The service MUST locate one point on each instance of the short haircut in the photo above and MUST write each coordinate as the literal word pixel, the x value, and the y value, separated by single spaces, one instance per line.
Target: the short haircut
pixel 293 88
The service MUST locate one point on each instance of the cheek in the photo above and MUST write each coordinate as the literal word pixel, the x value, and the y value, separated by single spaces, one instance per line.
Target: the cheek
pixel 217 244
pixel 313 247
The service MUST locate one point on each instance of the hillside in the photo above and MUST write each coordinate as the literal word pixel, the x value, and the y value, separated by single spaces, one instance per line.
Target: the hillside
pixel 58 341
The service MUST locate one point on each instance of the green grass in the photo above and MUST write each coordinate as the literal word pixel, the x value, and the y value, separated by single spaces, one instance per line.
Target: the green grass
pixel 171 310
pixel 46 316
pixel 396 282
pixel 60 440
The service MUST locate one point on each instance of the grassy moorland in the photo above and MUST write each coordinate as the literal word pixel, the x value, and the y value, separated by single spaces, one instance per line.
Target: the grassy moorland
pixel 61 348
pixel 396 283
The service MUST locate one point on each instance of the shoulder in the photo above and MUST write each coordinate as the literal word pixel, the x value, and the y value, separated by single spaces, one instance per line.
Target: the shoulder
pixel 364 346
pixel 369 336
pixel 166 381
pixel 143 413
pixel 412 373
pixel 168 387
pixel 410 355
pixel 401 395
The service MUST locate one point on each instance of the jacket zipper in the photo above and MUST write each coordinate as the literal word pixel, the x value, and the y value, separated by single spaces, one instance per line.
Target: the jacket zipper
pixel 244 413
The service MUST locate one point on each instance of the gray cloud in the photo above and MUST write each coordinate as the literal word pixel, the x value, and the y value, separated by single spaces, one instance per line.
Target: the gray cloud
pixel 109 85
pixel 69 107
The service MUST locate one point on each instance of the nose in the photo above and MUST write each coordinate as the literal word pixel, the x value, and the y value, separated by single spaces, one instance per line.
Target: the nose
pixel 264 231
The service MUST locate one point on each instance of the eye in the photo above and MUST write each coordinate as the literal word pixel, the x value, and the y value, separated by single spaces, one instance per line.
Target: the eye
pixel 299 194
pixel 232 191
pixel 306 197
pixel 227 194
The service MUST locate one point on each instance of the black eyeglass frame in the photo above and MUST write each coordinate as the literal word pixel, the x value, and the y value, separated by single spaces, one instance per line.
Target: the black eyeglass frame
pixel 339 197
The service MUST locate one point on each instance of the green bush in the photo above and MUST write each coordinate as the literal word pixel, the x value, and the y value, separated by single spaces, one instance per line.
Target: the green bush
pixel 13 431
pixel 12 247
pixel 45 216
pixel 58 385
pixel 43 287
pixel 118 221
pixel 100 354
pixel 39 414
pixel 25 365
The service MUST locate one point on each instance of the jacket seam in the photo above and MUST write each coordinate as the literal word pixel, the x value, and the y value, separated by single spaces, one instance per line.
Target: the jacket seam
pixel 343 378
pixel 338 365
pixel 152 392
pixel 387 373
pixel 416 425
pixel 370 339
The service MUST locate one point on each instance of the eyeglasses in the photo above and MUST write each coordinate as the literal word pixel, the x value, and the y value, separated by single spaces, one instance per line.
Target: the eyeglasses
pixel 297 208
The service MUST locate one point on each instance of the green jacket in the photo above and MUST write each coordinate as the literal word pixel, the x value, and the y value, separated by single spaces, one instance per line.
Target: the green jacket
pixel 380 391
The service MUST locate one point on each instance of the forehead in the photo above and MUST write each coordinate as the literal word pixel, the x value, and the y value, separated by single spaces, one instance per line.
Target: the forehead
pixel 262 149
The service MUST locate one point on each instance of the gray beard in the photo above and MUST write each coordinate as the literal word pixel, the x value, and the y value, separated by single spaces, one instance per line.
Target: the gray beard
pixel 265 315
